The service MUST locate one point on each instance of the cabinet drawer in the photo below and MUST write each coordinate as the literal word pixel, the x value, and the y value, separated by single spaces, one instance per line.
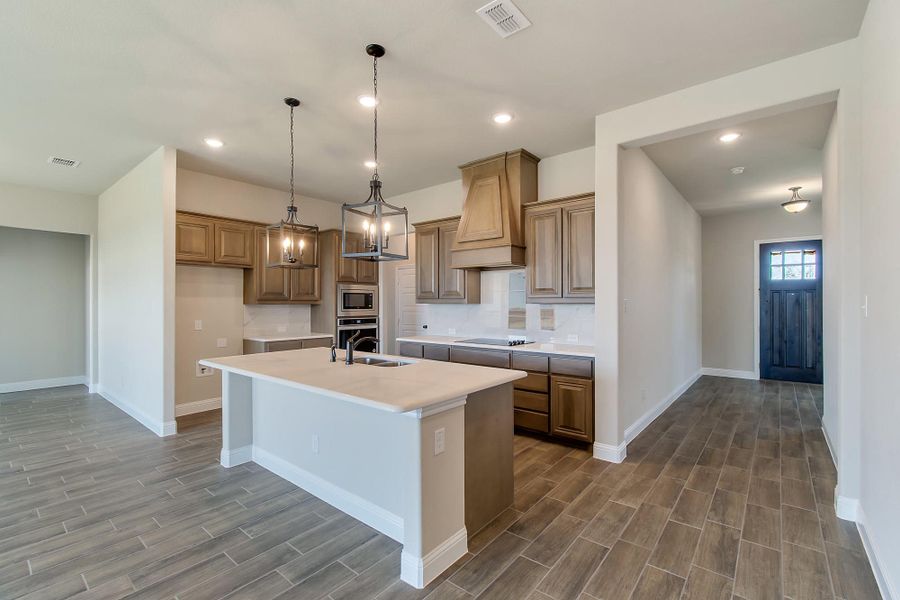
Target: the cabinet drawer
pixel 531 420
pixel 530 362
pixel 316 343
pixel 433 352
pixel 578 367
pixel 531 401
pixel 410 349
pixel 486 358
pixel 283 345
pixel 534 382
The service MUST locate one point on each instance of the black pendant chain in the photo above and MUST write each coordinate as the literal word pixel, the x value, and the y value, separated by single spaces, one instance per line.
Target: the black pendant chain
pixel 375 88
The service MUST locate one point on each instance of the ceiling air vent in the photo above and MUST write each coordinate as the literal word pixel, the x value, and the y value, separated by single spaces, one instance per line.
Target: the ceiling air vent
pixel 63 162
pixel 504 17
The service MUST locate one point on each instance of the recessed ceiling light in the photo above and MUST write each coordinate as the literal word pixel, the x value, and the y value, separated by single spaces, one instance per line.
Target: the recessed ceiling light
pixel 729 137
pixel 502 118
pixel 367 100
pixel 370 164
pixel 737 170
pixel 213 142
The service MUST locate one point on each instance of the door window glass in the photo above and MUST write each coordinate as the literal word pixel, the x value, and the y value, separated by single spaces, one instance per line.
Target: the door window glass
pixel 793 265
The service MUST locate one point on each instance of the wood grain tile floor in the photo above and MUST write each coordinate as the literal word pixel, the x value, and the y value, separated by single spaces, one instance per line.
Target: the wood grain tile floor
pixel 728 494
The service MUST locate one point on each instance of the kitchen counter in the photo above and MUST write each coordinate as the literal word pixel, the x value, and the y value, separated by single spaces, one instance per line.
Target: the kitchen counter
pixel 286 337
pixel 393 389
pixel 534 348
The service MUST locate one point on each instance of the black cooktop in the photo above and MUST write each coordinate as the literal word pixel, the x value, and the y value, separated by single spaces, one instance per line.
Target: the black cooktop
pixel 496 342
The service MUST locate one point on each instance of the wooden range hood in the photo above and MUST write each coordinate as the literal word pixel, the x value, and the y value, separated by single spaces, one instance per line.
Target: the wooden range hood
pixel 490 234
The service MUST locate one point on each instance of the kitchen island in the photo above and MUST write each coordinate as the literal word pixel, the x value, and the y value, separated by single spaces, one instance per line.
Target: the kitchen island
pixel 421 451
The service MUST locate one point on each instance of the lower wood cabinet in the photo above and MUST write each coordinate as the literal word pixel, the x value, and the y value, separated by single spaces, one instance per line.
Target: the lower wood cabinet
pixel 572 407
pixel 257 346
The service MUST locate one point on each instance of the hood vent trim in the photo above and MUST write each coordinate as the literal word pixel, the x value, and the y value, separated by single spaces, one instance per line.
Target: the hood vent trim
pixel 504 17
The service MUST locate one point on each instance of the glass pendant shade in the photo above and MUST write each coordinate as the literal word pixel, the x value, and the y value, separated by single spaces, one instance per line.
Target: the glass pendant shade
pixel 796 203
pixel 291 244
pixel 374 230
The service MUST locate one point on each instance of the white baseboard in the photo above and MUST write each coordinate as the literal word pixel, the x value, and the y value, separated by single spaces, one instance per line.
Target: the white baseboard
pixel 198 406
pixel 37 384
pixel 371 514
pixel 419 572
pixel 733 373
pixel 238 456
pixel 609 453
pixel 648 417
pixel 160 428
pixel 889 589
pixel 846 508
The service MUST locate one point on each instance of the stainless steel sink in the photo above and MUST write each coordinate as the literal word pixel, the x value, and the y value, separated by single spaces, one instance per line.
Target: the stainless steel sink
pixel 374 361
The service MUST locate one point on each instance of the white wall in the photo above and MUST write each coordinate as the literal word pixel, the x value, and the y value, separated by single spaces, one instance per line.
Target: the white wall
pixel 43 309
pixel 137 291
pixel 659 348
pixel 880 245
pixel 728 278
pixel 50 210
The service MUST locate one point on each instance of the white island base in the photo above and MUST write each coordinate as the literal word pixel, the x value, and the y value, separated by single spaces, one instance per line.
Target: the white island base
pixel 400 470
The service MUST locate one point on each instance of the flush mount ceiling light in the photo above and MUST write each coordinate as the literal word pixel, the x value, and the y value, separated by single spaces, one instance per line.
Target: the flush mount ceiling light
pixel 727 138
pixel 213 142
pixel 737 170
pixel 290 244
pixel 367 101
pixel 374 230
pixel 502 118
pixel 796 203
pixel 370 164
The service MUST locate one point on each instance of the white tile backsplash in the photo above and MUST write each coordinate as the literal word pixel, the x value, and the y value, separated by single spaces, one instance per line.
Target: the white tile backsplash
pixel 491 317
pixel 262 319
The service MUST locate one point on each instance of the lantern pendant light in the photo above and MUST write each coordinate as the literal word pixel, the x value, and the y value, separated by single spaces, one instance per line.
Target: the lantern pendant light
pixel 374 230
pixel 796 203
pixel 290 244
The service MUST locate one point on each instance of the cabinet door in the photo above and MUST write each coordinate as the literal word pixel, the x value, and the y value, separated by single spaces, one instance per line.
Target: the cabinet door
pixel 578 251
pixel 193 238
pixel 543 231
pixel 572 408
pixel 451 282
pixel 366 271
pixel 427 264
pixel 410 349
pixel 316 343
pixel 233 244
pixel 305 283
pixel 347 267
pixel 273 284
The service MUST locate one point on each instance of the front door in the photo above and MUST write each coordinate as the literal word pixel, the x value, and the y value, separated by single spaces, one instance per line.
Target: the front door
pixel 790 311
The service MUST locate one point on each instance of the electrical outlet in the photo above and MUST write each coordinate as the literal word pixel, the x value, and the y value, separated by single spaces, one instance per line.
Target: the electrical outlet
pixel 198 325
pixel 221 342
pixel 204 371
pixel 315 444
pixel 572 338
pixel 439 441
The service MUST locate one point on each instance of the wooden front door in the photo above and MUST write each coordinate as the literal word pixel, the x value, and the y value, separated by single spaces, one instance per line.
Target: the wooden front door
pixel 790 311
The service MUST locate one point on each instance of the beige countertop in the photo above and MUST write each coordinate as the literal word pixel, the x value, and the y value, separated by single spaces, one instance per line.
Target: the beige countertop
pixel 420 384
pixel 535 348
pixel 286 337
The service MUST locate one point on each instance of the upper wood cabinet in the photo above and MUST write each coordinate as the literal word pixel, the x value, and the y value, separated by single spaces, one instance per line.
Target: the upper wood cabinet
pixel 490 229
pixel 202 239
pixel 347 270
pixel 277 285
pixel 560 258
pixel 436 281
pixel 194 238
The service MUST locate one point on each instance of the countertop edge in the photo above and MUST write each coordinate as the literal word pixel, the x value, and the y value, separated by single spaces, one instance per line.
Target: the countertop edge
pixel 523 349
pixel 287 338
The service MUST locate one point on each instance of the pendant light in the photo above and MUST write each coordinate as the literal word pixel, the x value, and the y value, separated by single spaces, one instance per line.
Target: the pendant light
pixel 374 230
pixel 796 203
pixel 290 244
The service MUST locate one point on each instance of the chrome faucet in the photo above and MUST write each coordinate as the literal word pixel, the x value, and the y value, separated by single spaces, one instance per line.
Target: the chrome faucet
pixel 353 342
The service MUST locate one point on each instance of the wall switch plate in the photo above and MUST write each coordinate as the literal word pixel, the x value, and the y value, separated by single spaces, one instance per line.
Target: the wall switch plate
pixel 572 338
pixel 221 342
pixel 198 325
pixel 439 441
pixel 315 444
pixel 204 371
pixel 282 328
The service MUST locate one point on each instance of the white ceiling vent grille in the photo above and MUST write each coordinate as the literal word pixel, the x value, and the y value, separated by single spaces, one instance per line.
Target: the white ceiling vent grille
pixel 63 162
pixel 504 17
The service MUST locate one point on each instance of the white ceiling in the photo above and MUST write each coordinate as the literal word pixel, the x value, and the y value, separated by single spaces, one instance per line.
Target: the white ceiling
pixel 777 152
pixel 106 82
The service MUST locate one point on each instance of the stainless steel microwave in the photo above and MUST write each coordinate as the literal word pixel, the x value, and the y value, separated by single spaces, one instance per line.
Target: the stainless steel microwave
pixel 357 300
